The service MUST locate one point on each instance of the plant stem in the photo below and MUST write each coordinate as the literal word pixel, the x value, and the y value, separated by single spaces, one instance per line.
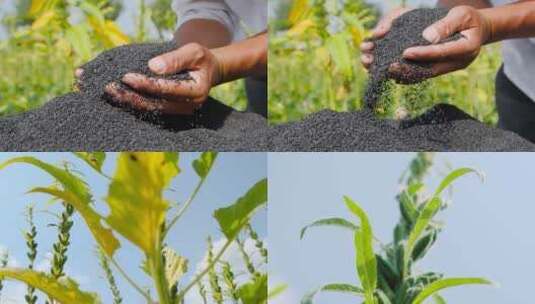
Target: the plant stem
pixel 158 276
pixel 128 279
pixel 205 271
pixel 182 210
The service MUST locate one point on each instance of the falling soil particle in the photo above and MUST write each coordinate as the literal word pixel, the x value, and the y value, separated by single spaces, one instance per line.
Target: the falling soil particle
pixel 406 32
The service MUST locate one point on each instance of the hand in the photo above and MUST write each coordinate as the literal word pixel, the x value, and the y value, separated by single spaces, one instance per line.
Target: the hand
pixel 447 57
pixel 380 31
pixel 166 95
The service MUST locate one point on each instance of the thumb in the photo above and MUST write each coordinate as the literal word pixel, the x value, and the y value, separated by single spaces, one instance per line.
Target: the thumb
pixel 444 28
pixel 173 62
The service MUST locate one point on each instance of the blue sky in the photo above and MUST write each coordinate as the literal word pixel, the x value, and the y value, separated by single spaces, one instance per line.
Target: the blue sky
pixel 489 226
pixel 231 176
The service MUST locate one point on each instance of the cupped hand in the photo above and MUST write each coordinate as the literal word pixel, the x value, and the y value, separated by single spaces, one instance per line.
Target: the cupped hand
pixel 454 55
pixel 379 32
pixel 167 95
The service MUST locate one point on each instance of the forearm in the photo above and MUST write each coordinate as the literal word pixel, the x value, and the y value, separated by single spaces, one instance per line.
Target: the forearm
pixel 247 58
pixel 474 3
pixel 208 33
pixel 516 20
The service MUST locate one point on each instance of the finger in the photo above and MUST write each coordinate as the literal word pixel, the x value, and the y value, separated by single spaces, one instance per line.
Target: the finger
pixel 442 68
pixel 131 99
pixel 366 60
pixel 406 74
pixel 78 73
pixel 186 90
pixel 446 26
pixel 367 46
pixel 444 51
pixel 175 61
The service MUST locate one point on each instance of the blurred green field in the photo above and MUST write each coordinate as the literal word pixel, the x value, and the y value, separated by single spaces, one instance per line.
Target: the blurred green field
pixel 314 64
pixel 44 45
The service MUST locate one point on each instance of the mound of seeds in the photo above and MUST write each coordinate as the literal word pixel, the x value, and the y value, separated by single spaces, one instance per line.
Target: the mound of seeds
pixel 406 32
pixel 442 128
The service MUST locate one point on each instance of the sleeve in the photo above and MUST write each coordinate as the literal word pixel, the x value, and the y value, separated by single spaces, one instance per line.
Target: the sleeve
pixel 216 10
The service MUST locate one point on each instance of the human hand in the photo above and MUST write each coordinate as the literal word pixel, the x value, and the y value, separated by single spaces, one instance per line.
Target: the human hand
pixel 169 96
pixel 380 31
pixel 450 56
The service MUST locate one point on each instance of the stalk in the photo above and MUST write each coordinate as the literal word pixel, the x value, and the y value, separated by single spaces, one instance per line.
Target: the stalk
pixel 186 205
pixel 117 299
pixel 31 245
pixel 158 274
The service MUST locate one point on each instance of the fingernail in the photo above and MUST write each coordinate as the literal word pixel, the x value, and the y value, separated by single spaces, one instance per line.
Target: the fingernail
pixel 157 65
pixel 129 77
pixel 430 34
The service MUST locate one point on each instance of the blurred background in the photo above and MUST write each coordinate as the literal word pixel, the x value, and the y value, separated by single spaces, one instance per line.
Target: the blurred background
pixel 43 41
pixel 487 232
pixel 314 64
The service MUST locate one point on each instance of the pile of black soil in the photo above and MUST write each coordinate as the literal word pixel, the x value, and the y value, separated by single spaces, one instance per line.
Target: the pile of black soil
pixel 406 32
pixel 86 121
pixel 442 128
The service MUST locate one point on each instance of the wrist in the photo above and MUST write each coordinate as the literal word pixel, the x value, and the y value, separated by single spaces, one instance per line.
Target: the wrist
pixel 220 70
pixel 489 26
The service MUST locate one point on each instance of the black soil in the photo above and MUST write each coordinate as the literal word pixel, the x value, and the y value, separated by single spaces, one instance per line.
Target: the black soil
pixel 442 128
pixel 406 32
pixel 88 121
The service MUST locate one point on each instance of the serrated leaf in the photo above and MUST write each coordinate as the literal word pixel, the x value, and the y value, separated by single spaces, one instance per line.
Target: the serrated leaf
pixel 175 266
pixel 93 159
pixel 365 256
pixel 337 287
pixel 232 219
pixel 452 176
pixel 135 196
pixel 64 290
pixel 334 221
pixel 447 283
pixel 74 191
pixel 204 163
pixel 254 292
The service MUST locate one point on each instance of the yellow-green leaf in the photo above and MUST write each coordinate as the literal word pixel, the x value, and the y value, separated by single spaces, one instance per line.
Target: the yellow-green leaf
pixel 135 196
pixel 63 290
pixel 338 47
pixel 93 159
pixel 204 163
pixel 232 219
pixel 74 191
pixel 365 257
pixel 254 292
pixel 78 37
pixel 43 20
pixel 436 286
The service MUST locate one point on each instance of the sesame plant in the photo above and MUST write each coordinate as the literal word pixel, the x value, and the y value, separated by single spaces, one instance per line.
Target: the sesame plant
pixel 389 275
pixel 139 213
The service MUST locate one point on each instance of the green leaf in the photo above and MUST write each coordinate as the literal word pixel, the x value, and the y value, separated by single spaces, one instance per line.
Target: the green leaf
pixel 335 221
pixel 424 243
pixel 277 290
pixel 93 159
pixel 204 163
pixel 254 292
pixel 337 287
pixel 338 46
pixel 447 283
pixel 63 290
pixel 455 174
pixel 175 266
pixel 135 196
pixel 80 41
pixel 383 298
pixel 365 256
pixel 427 214
pixel 439 299
pixel 74 191
pixel 232 219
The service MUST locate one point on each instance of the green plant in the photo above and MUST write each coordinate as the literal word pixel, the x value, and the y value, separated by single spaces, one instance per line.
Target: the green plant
pixel 138 212
pixel 4 256
pixel 117 299
pixel 389 276
pixel 31 245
